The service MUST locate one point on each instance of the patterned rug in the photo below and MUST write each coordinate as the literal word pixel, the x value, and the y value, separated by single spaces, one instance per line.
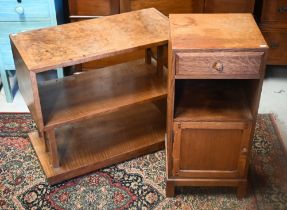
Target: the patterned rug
pixel 135 184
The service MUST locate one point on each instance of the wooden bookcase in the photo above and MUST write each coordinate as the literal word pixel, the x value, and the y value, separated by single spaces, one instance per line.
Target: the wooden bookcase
pixel 100 117
pixel 216 70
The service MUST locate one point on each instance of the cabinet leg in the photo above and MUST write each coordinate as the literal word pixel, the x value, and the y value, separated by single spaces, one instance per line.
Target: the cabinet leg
pixel 41 133
pixel 159 59
pixel 6 85
pixel 170 188
pixel 53 148
pixel 46 139
pixel 148 54
pixel 241 190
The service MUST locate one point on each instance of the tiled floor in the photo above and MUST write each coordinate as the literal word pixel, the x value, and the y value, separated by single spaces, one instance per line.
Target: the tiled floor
pixel 273 98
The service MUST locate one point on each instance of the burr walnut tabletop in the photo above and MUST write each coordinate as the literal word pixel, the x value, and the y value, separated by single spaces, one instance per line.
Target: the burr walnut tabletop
pixel 195 32
pixel 83 41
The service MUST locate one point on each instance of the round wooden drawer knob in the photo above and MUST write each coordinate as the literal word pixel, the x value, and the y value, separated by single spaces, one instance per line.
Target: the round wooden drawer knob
pixel 244 150
pixel 218 66
pixel 19 10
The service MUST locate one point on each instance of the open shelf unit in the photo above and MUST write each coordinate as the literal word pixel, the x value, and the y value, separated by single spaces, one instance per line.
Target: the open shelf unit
pixel 101 117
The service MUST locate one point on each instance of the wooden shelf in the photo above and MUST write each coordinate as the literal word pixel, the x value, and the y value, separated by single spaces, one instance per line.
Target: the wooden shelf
pixel 99 91
pixel 211 100
pixel 105 140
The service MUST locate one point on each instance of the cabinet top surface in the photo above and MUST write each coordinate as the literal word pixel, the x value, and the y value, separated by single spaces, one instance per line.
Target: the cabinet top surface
pixel 215 31
pixel 83 41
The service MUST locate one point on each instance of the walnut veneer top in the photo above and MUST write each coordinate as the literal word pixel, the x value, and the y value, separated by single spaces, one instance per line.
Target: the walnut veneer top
pixel 83 41
pixel 215 31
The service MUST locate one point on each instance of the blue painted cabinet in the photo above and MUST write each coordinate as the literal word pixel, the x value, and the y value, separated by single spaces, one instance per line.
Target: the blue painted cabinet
pixel 23 15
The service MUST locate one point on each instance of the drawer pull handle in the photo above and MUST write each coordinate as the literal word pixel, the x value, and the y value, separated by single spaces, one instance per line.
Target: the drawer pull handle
pixel 282 9
pixel 244 150
pixel 218 66
pixel 19 10
pixel 274 45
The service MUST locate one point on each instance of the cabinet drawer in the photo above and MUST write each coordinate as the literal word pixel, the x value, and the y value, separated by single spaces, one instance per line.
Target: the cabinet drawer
pixel 81 9
pixel 274 10
pixel 28 10
pixel 277 41
pixel 14 27
pixel 219 64
pixel 216 6
pixel 164 6
pixel 211 149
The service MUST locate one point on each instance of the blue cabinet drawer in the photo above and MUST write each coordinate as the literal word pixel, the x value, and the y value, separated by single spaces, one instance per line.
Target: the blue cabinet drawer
pixel 14 27
pixel 7 28
pixel 28 10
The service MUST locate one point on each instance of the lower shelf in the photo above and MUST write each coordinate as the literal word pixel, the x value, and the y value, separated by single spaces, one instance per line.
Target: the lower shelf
pixel 97 143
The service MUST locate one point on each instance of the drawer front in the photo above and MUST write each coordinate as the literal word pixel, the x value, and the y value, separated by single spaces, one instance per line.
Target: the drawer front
pixel 216 6
pixel 83 9
pixel 277 41
pixel 164 6
pixel 28 10
pixel 274 10
pixel 14 27
pixel 219 64
pixel 211 150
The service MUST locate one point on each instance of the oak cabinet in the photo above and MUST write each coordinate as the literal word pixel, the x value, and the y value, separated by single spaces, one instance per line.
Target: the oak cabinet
pixel 214 86
pixel 272 19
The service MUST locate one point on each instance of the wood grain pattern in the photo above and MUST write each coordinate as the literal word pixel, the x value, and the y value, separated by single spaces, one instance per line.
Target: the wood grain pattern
pixel 238 65
pixel 102 141
pixel 194 31
pixel 29 88
pixel 89 40
pixel 96 92
pixel 215 100
pixel 213 139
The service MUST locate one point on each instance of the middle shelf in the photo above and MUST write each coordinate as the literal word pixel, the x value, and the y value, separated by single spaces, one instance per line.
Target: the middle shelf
pixel 100 91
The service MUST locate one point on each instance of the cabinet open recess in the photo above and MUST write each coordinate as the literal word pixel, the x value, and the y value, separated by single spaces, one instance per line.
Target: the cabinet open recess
pixel 211 100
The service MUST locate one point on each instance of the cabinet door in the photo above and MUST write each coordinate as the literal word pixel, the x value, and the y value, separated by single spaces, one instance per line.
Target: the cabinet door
pixel 85 9
pixel 211 149
pixel 164 6
pixel 215 6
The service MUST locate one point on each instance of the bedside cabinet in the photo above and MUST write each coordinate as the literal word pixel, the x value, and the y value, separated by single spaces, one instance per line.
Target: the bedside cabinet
pixel 272 19
pixel 18 16
pixel 214 88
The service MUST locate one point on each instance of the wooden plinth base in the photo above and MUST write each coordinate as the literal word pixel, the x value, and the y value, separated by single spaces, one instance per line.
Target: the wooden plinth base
pixel 241 185
pixel 109 139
